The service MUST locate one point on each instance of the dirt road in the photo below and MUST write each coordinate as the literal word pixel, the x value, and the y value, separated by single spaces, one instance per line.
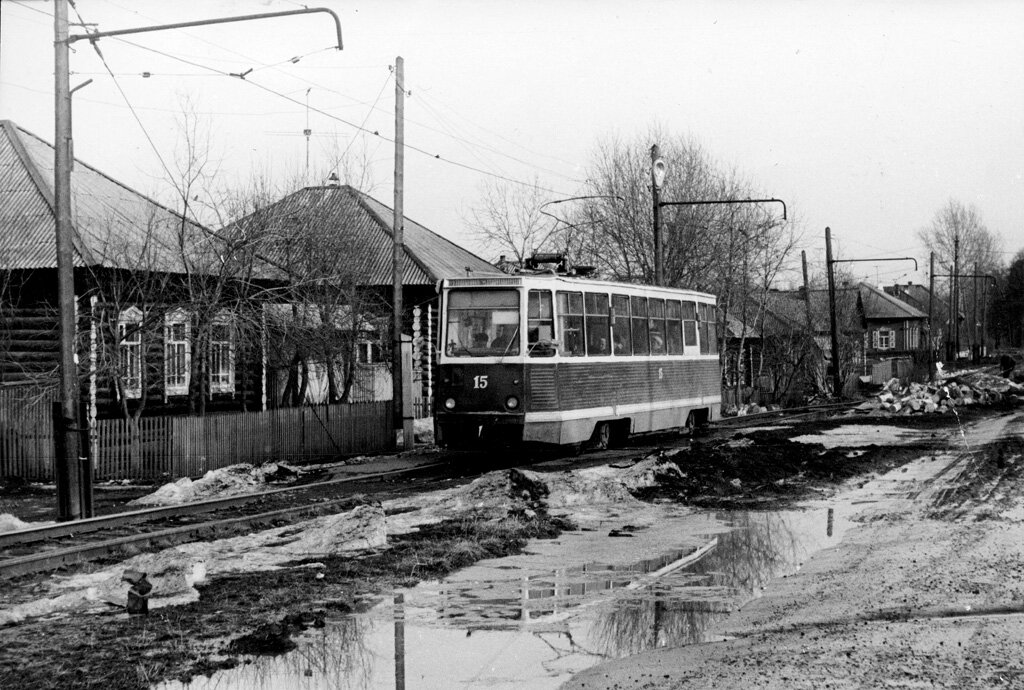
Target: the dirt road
pixel 926 592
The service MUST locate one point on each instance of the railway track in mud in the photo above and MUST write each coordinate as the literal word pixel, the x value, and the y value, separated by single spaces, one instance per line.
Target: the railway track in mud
pixel 51 547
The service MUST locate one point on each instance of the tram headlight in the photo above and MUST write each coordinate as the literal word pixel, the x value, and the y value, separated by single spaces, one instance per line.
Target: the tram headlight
pixel 449 404
pixel 512 402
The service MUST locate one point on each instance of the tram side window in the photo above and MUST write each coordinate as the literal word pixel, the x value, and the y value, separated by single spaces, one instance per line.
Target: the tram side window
pixel 673 327
pixel 620 327
pixel 641 343
pixel 712 329
pixel 540 325
pixel 689 324
pixel 708 330
pixel 657 321
pixel 570 323
pixel 598 334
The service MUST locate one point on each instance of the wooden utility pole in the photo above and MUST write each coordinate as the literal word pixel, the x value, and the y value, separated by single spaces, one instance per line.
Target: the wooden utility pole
pixel 807 295
pixel 402 417
pixel 837 378
pixel 975 349
pixel 956 297
pixel 931 300
pixel 68 441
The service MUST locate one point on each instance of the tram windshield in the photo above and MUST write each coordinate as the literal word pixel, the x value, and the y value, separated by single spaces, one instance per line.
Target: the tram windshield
pixel 483 323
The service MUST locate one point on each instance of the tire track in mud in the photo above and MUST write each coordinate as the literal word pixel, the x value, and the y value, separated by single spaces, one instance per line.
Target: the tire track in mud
pixel 969 484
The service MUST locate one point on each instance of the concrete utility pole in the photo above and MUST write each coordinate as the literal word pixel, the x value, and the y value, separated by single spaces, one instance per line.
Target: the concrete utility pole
pixel 72 471
pixel 401 384
pixel 657 178
pixel 69 470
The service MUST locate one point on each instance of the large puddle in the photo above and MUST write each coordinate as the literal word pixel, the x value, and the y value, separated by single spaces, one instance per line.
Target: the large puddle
pixel 534 620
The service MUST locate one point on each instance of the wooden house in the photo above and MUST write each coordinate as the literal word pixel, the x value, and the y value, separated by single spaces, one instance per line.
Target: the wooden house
pixel 173 316
pixel 148 338
pixel 351 237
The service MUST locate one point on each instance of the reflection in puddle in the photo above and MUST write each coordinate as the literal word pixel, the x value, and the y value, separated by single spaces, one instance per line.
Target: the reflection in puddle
pixel 538 629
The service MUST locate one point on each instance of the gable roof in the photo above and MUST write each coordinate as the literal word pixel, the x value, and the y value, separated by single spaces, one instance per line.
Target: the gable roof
pixel 112 225
pixel 362 226
pixel 880 305
pixel 918 297
pixel 790 309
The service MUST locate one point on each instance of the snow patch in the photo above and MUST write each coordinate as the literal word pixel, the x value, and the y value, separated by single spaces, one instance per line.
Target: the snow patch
pixel 9 523
pixel 174 572
pixel 855 435
pixel 226 481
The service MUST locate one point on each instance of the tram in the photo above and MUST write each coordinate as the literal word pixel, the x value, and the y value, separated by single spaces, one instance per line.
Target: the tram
pixel 556 359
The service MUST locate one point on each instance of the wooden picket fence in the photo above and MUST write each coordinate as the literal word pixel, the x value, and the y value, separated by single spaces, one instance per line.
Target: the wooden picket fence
pixel 174 446
pixel 26 432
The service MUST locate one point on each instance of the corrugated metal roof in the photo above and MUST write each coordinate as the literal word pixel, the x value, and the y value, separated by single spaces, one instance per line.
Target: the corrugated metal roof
pixel 358 228
pixel 113 225
pixel 879 305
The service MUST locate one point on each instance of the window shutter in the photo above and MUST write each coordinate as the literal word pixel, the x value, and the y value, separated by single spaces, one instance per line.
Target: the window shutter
pixel 874 339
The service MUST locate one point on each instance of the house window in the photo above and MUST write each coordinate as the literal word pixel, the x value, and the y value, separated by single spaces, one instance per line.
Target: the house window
pixel 129 351
pixel 369 352
pixel 222 357
pixel 177 353
pixel 884 339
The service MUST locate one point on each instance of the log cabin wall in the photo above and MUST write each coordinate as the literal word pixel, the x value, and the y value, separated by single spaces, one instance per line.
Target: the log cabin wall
pixel 29 341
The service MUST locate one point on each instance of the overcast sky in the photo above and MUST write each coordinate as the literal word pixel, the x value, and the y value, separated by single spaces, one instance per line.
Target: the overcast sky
pixel 863 116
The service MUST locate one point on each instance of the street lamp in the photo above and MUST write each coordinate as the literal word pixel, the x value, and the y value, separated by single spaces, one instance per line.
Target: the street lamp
pixel 657 179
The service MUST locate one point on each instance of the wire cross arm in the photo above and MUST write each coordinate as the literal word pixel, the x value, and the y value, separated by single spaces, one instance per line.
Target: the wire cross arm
pixel 94 35
pixel 727 201
pixel 967 275
pixel 875 261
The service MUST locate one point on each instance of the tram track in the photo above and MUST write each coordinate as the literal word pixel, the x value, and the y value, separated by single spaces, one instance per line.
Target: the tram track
pixel 50 547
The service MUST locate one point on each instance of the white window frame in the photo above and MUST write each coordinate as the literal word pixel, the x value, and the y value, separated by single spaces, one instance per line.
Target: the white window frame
pixel 884 339
pixel 129 352
pixel 221 381
pixel 176 383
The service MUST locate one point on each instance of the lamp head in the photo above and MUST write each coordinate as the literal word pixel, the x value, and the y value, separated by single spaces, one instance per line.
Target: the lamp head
pixel 658 172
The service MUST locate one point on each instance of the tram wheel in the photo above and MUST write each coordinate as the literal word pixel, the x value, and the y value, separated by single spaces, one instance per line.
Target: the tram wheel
pixel 602 436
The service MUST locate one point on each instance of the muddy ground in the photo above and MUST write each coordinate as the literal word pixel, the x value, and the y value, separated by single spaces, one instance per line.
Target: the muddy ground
pixel 927 592
pixel 257 613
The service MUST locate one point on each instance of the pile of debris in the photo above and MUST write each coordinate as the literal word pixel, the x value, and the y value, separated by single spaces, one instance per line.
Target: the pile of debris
pixel 966 388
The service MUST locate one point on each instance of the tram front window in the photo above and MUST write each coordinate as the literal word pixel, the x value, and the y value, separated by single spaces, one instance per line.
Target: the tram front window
pixel 483 323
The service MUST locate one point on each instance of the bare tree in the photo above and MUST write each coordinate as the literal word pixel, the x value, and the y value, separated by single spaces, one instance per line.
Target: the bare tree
pixel 958 236
pixel 508 221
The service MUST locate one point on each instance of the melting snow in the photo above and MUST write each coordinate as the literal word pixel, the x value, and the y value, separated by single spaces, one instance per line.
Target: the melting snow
pixel 227 481
pixel 854 435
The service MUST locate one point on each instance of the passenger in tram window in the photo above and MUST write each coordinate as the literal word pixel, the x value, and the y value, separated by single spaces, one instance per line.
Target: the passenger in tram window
pixel 621 344
pixel 503 340
pixel 479 340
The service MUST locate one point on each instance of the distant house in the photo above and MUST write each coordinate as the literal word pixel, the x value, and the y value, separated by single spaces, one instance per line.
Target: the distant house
pixel 920 298
pixel 894 327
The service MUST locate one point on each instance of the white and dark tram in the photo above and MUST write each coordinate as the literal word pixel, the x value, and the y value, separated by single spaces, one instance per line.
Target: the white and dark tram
pixel 555 359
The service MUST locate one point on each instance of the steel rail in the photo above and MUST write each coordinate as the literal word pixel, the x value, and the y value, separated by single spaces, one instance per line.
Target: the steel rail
pixel 50 560
pixel 67 529
pixel 739 421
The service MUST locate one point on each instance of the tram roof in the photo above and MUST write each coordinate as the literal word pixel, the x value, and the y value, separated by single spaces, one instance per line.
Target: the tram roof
pixel 553 280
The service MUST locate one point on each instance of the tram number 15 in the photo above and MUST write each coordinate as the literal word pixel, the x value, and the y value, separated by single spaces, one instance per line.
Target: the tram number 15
pixel 479 382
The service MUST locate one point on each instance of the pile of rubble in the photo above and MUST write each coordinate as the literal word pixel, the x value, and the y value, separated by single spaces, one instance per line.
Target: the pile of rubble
pixel 966 388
